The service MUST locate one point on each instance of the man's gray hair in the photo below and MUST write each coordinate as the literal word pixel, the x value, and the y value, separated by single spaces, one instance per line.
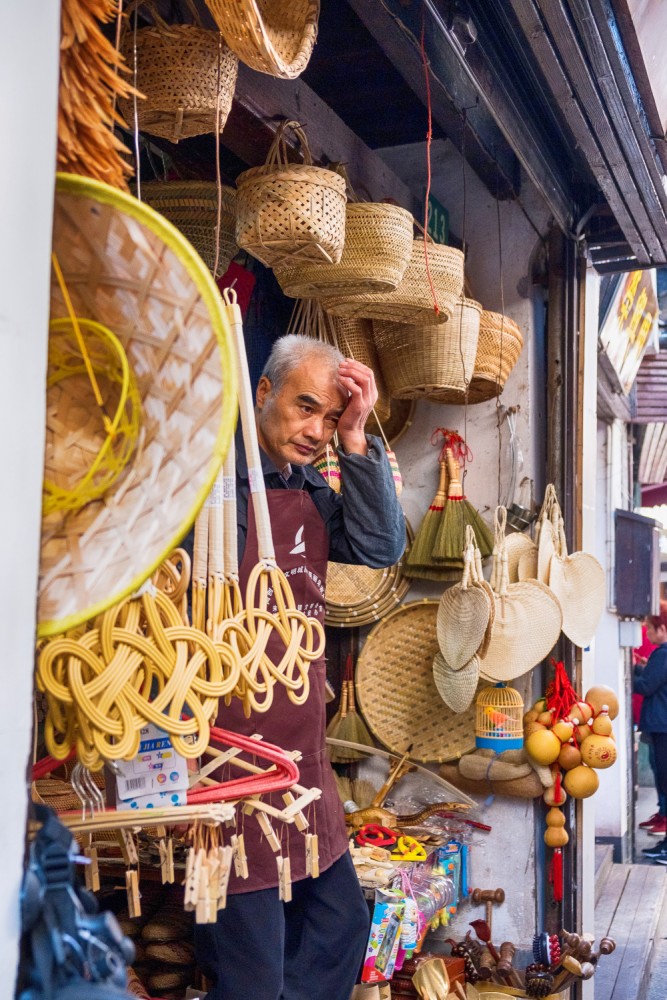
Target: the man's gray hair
pixel 290 351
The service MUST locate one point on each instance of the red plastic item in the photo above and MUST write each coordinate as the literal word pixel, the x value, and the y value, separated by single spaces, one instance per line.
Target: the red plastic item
pixel 282 776
pixel 374 835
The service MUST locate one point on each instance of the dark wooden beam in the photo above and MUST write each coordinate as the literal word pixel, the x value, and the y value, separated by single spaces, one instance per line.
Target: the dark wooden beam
pixel 487 152
pixel 567 42
pixel 614 77
pixel 584 137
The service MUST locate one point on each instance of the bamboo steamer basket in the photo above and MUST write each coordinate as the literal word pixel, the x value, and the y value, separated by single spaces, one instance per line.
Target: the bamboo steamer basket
pixel 128 269
pixel 498 349
pixel 272 36
pixel 187 76
pixel 412 300
pixel 436 362
pixel 378 243
pixel 290 211
pixel 396 691
pixel 192 207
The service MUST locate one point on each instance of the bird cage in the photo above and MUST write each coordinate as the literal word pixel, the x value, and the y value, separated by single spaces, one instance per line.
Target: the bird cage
pixel 499 719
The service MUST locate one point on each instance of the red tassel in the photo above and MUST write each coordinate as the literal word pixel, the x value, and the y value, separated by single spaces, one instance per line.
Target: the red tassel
pixel 560 693
pixel 558 790
pixel 556 875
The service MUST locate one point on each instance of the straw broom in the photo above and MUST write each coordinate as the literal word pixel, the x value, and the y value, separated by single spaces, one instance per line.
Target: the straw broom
pixel 419 562
pixel 458 514
pixel 347 724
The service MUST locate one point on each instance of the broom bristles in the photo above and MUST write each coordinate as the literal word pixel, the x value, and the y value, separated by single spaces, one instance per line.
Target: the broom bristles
pixel 450 541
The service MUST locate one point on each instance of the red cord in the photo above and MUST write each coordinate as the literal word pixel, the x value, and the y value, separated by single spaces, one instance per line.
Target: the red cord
pixel 561 696
pixel 429 136
pixel 455 443
pixel 556 875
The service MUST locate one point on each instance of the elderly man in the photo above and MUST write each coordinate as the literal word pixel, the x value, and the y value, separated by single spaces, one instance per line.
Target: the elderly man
pixel 311 948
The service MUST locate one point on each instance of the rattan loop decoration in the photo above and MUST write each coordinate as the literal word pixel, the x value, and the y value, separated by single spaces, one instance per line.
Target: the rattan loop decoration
pixel 272 36
pixel 249 633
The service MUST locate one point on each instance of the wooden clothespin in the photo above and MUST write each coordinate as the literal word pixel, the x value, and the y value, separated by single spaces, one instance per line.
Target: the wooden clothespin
pixel 300 821
pixel 225 855
pixel 128 847
pixel 92 869
pixel 268 831
pixel 284 879
pixel 166 850
pixel 133 894
pixel 240 856
pixel 312 855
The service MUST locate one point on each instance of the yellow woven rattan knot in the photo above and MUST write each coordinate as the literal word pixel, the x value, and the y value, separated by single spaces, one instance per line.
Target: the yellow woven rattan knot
pixel 136 663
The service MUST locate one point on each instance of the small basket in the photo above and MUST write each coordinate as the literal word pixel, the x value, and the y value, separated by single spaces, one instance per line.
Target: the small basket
pixel 290 211
pixel 378 243
pixel 188 76
pixel 412 300
pixel 498 349
pixel 192 206
pixel 434 362
pixel 272 36
pixel 499 719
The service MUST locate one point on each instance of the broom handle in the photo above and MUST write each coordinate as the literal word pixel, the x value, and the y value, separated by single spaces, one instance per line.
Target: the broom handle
pixel 455 490
pixel 344 696
pixel 352 706
pixel 266 551
pixel 441 493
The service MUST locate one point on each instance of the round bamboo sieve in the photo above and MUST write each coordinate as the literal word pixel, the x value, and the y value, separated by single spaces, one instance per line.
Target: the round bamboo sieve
pixel 128 269
pixel 396 691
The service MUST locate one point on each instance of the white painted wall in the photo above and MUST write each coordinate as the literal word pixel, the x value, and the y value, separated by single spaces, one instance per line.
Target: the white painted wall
pixel 28 103
pixel 506 857
pixel 610 658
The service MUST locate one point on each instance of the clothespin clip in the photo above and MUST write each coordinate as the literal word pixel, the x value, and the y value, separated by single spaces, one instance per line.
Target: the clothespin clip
pixel 268 831
pixel 92 870
pixel 284 879
pixel 312 855
pixel 133 894
pixel 166 852
pixel 240 856
pixel 225 855
pixel 128 847
pixel 203 908
pixel 300 821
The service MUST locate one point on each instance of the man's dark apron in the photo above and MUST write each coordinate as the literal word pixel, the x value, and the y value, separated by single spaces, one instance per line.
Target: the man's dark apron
pixel 302 547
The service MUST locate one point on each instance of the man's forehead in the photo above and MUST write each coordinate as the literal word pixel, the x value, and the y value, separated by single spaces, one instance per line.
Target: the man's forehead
pixel 314 378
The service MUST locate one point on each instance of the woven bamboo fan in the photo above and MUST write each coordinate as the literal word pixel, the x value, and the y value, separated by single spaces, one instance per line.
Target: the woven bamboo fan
pixel 192 206
pixel 272 36
pixel 498 349
pixel 528 618
pixel 378 243
pixel 290 211
pixel 187 75
pixel 396 691
pixel 431 361
pixel 412 300
pixel 359 595
pixel 127 269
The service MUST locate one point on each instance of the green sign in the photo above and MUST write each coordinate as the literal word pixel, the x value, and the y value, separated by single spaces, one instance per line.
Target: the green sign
pixel 438 220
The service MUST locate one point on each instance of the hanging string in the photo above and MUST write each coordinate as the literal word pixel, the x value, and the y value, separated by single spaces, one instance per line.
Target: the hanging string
pixel 451 441
pixel 429 137
pixel 466 380
pixel 499 411
pixel 135 107
pixel 218 179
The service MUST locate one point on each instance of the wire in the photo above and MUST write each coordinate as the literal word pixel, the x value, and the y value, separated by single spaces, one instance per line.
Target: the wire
pixel 429 137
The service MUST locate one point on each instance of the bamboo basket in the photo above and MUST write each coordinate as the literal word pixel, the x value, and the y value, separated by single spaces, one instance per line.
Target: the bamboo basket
pixel 412 300
pixel 378 243
pixel 398 423
pixel 435 362
pixel 188 76
pixel 192 206
pixel 290 211
pixel 498 349
pixel 272 36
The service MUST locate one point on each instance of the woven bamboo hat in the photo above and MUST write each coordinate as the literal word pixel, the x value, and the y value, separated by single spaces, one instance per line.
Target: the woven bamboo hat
pixel 128 270
pixel 457 688
pixel 527 622
pixel 396 691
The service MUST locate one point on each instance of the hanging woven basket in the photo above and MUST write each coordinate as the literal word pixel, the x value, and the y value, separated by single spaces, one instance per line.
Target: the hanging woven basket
pixel 272 36
pixel 290 211
pixel 498 349
pixel 429 361
pixel 188 76
pixel 378 243
pixel 412 301
pixel 192 207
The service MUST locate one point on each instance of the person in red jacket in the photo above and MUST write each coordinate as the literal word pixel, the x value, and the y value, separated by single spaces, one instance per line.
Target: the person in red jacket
pixel 651 682
pixel 655 825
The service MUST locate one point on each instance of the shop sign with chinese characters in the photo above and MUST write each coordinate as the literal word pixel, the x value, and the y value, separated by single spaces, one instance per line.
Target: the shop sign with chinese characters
pixel 630 325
